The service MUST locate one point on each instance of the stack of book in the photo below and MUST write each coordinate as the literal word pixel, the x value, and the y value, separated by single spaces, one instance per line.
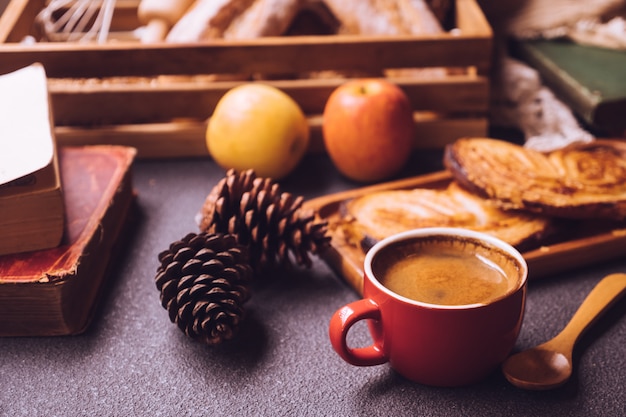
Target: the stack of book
pixel 62 215
pixel 55 291
pixel 31 202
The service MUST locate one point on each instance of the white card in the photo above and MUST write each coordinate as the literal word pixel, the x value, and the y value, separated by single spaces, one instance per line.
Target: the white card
pixel 26 141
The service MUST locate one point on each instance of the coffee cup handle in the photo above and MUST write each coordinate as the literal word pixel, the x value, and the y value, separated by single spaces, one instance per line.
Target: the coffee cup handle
pixel 340 324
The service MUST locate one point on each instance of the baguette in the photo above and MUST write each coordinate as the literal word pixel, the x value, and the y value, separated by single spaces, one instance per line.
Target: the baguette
pixel 159 16
pixel 580 181
pixel 263 18
pixel 381 17
pixel 206 19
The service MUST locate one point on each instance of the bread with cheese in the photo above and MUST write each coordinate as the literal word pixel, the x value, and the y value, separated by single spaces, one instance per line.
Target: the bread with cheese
pixel 377 215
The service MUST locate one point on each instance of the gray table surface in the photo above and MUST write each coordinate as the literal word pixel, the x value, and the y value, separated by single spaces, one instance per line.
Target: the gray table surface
pixel 133 361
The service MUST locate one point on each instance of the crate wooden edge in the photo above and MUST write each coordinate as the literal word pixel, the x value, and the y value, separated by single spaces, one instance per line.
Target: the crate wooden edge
pixel 470 46
pixel 87 105
pixel 19 15
pixel 184 139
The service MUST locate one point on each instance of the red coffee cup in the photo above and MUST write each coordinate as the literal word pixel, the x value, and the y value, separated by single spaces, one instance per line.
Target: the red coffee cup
pixel 429 343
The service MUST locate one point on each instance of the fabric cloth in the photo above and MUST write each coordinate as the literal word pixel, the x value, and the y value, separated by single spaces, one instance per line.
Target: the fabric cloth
pixel 520 98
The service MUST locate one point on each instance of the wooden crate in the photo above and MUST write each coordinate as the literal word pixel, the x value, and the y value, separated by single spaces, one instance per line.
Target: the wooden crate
pixel 158 97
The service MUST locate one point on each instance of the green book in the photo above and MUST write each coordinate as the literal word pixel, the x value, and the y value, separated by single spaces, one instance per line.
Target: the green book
pixel 590 80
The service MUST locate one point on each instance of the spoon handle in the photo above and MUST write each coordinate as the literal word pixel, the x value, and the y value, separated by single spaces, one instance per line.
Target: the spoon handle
pixel 603 296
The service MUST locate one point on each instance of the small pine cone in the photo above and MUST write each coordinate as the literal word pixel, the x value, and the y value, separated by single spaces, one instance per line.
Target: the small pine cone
pixel 204 281
pixel 272 224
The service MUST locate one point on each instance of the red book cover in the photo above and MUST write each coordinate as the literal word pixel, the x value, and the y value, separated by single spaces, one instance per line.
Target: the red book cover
pixel 54 291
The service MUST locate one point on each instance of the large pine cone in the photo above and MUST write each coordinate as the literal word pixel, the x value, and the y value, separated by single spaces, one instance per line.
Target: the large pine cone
pixel 204 281
pixel 272 224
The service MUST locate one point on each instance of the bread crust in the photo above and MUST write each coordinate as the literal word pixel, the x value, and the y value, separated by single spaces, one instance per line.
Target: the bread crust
pixel 580 181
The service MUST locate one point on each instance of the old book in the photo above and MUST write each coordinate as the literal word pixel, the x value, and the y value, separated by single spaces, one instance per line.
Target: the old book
pixel 54 291
pixel 31 203
pixel 590 80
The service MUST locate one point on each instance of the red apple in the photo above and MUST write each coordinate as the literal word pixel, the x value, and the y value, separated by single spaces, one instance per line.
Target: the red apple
pixel 368 129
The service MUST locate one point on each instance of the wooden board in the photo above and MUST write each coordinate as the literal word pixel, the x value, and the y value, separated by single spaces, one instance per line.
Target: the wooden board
pixel 586 243
pixel 186 138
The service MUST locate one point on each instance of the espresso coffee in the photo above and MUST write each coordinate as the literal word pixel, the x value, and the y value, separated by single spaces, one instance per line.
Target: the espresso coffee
pixel 446 270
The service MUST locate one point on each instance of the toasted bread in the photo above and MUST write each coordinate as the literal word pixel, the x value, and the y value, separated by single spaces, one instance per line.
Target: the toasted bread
pixel 579 181
pixel 377 215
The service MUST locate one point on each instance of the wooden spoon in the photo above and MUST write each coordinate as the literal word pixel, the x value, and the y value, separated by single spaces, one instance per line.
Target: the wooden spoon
pixel 549 365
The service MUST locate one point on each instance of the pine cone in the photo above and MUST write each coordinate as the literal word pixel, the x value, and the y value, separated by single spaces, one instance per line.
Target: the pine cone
pixel 204 281
pixel 272 224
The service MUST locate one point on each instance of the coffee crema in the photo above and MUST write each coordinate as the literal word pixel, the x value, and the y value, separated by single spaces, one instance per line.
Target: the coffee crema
pixel 446 270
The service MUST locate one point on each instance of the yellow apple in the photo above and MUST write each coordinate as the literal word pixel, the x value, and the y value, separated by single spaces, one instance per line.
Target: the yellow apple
pixel 260 127
pixel 368 129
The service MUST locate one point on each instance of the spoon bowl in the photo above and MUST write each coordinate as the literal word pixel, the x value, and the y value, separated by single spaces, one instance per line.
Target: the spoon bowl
pixel 538 368
pixel 549 365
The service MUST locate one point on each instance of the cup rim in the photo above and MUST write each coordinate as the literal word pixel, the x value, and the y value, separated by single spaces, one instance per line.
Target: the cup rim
pixel 445 231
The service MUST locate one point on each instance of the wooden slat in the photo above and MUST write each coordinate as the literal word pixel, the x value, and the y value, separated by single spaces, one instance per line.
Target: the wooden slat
pixel 103 103
pixel 266 56
pixel 187 138
pixel 164 140
pixel 435 133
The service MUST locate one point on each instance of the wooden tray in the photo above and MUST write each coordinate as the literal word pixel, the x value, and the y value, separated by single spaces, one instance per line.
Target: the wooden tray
pixel 589 243
pixel 160 103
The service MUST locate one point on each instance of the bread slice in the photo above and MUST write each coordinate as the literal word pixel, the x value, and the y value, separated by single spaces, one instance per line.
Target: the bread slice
pixel 378 215
pixel 579 181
